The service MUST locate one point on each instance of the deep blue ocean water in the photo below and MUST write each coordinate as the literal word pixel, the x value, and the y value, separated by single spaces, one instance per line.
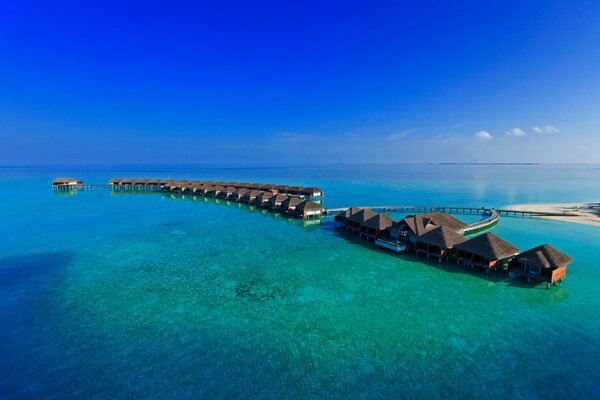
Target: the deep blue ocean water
pixel 121 295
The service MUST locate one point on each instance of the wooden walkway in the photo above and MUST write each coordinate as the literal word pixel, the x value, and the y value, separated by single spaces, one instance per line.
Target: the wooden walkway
pixel 453 210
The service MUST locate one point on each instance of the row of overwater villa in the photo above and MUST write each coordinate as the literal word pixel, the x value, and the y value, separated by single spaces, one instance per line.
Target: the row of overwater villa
pixel 431 235
pixel 293 201
pixel 441 236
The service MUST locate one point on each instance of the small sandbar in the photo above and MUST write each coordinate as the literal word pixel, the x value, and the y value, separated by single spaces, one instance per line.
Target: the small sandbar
pixel 586 213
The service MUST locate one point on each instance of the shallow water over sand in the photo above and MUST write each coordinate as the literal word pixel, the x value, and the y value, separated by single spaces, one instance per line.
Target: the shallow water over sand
pixel 154 296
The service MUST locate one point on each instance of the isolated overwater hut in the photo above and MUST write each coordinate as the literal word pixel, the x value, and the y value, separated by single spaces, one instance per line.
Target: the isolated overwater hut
pixel 543 263
pixel 486 251
pixel 289 205
pixel 354 222
pixel 66 183
pixel 376 226
pixel 438 242
pixel 308 209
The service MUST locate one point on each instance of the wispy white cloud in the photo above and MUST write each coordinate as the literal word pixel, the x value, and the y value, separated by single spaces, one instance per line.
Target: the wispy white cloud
pixel 515 132
pixel 545 129
pixel 485 135
pixel 400 135
pixel 293 137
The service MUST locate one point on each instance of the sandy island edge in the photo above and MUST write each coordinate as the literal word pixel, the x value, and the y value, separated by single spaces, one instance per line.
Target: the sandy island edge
pixel 588 213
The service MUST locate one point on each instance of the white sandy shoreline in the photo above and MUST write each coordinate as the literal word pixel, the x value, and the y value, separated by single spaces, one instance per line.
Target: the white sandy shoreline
pixel 587 213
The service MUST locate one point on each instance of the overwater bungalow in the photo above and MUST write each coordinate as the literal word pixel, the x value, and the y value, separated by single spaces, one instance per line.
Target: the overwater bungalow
pixel 486 251
pixel 67 183
pixel 267 187
pixel 354 222
pixel 376 227
pixel 289 205
pixel 282 189
pixel 543 263
pixel 127 182
pixel 308 209
pixel 216 191
pixel 312 192
pixel 239 194
pixel 250 195
pixel 294 190
pixel 140 182
pixel 413 226
pixel 438 242
pixel 263 198
pixel 346 214
pixel 115 181
pixel 154 182
pixel 275 201
pixel 226 192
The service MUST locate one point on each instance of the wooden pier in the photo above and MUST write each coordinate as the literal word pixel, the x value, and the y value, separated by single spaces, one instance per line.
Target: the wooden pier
pixel 454 210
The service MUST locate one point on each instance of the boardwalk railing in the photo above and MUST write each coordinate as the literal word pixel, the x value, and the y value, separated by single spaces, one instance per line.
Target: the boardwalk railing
pixel 454 210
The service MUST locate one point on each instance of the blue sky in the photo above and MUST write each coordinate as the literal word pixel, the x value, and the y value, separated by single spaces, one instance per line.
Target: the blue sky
pixel 255 82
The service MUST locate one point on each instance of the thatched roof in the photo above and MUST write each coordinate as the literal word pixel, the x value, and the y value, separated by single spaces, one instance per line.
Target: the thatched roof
pixel 266 187
pixel 422 223
pixel 348 213
pixel 442 237
pixel 66 181
pixel 265 196
pixel 290 202
pixel 489 246
pixel 546 256
pixel 379 222
pixel 308 205
pixel 115 181
pixel 361 216
pixel 253 193
pixel 278 198
pixel 309 191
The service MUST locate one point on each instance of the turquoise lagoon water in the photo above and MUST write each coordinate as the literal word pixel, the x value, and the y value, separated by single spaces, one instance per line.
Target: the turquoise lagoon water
pixel 119 295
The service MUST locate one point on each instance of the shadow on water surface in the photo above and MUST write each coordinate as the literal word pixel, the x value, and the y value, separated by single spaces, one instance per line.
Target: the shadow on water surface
pixel 19 270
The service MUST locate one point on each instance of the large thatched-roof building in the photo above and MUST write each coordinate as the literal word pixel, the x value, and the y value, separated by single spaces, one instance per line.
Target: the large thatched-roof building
pixel 486 251
pixel 413 226
pixel 376 226
pixel 354 222
pixel 438 242
pixel 543 263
